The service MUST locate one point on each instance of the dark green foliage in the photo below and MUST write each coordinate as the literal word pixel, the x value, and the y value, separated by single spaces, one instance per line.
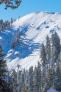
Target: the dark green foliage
pixel 43 54
pixel 50 55
pixel 4 85
pixel 4 25
pixel 55 46
pixel 48 49
pixel 51 77
pixel 37 78
pixel 3 66
pixel 31 82
pixel 57 82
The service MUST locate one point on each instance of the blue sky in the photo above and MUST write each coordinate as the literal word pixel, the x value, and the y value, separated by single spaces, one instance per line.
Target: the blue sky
pixel 29 6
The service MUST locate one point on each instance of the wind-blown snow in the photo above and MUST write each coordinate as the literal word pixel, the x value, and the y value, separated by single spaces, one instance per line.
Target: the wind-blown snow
pixel 33 29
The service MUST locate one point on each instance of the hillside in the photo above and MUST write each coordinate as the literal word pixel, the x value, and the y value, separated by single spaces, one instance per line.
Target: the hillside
pixel 22 42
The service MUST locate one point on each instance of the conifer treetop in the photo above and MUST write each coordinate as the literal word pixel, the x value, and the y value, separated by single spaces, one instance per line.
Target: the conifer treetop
pixel 13 4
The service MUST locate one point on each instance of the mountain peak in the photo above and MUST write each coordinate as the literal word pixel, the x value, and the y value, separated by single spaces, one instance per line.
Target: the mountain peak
pixel 34 16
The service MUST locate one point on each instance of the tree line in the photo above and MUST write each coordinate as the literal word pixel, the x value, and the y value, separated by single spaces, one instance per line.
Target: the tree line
pixel 5 24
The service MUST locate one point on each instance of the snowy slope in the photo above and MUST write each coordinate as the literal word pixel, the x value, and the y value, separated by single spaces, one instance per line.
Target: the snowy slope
pixel 33 29
pixel 51 90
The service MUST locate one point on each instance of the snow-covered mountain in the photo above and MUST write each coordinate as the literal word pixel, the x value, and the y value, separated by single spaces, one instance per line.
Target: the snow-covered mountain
pixel 31 30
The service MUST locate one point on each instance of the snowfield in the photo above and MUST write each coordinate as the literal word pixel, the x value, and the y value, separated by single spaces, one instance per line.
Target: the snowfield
pixel 33 29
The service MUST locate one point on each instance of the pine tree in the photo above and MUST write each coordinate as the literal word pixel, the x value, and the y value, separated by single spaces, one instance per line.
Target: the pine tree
pixel 31 82
pixel 55 46
pixel 4 86
pixel 43 55
pixel 44 69
pixel 3 66
pixel 57 80
pixel 24 82
pixel 50 79
pixel 37 78
pixel 48 49
pixel 14 80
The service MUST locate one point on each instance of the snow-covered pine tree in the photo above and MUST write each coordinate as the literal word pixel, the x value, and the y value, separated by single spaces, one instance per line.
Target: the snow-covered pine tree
pixel 44 67
pixel 37 78
pixel 55 46
pixel 25 84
